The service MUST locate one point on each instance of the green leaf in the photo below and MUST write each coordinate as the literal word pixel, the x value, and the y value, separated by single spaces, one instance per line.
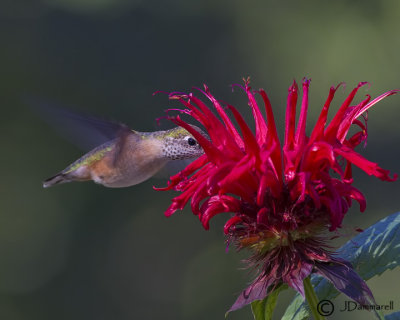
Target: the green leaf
pixel 264 309
pixel 372 252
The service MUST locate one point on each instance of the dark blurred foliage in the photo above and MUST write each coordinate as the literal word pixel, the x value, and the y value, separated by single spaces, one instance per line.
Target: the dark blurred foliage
pixel 81 251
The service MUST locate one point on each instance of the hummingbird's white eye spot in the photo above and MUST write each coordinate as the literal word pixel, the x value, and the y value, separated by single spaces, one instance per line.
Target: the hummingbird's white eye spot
pixel 191 141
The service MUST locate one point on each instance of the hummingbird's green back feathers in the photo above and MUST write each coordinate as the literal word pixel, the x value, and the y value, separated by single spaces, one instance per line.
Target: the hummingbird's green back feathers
pixel 78 169
pixel 90 157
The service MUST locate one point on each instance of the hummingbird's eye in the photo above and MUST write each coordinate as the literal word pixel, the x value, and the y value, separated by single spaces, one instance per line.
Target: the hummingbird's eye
pixel 191 142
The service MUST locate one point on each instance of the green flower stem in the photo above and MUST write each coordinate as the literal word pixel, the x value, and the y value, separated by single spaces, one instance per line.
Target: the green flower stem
pixel 312 299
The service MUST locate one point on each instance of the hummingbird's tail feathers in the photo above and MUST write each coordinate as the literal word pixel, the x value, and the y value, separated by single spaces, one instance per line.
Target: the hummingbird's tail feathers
pixel 57 179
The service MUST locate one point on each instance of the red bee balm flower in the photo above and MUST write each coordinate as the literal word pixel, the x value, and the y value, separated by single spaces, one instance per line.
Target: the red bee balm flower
pixel 282 200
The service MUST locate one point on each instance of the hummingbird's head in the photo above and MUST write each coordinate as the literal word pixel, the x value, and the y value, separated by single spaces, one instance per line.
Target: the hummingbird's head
pixel 179 144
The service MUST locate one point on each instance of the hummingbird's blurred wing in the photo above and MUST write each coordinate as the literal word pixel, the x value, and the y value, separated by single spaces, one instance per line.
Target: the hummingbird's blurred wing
pixel 172 168
pixel 85 131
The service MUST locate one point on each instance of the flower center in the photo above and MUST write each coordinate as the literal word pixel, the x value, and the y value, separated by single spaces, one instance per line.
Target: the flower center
pixel 265 241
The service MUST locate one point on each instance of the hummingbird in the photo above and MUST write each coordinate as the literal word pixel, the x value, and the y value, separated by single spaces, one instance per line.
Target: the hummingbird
pixel 127 157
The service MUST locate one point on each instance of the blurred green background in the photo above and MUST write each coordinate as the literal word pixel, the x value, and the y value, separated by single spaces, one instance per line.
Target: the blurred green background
pixel 82 251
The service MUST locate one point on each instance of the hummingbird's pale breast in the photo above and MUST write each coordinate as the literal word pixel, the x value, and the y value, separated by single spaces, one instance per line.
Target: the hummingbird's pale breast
pixel 135 161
